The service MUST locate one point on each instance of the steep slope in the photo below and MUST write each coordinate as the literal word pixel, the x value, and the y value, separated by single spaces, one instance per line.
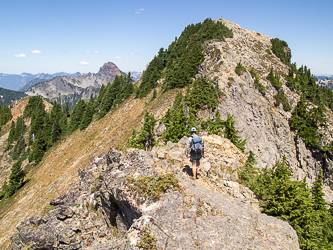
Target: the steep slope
pixel 263 125
pixel 257 119
pixel 57 172
pixel 81 86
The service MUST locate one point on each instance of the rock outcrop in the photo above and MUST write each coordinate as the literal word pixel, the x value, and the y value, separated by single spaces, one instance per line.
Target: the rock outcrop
pixel 264 126
pixel 102 212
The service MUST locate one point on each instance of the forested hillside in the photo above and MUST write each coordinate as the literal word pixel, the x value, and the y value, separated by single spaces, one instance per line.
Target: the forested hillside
pixel 8 96
pixel 227 82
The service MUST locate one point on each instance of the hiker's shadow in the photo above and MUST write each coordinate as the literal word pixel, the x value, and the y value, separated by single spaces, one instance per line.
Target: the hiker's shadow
pixel 188 170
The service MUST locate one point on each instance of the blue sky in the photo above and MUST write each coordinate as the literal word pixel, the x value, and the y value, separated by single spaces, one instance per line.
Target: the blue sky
pixel 49 36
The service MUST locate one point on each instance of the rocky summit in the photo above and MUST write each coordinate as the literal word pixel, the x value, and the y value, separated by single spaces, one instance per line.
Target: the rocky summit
pixel 82 86
pixel 104 211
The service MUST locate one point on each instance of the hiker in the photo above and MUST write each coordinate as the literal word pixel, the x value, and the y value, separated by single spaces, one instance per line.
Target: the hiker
pixel 196 145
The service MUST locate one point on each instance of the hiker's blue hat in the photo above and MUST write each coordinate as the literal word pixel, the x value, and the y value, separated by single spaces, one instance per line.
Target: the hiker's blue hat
pixel 193 129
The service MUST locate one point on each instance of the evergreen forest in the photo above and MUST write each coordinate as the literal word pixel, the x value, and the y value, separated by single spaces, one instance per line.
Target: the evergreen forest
pixel 7 96
pixel 45 129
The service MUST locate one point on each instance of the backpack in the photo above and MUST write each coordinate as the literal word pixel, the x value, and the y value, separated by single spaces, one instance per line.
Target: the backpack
pixel 196 144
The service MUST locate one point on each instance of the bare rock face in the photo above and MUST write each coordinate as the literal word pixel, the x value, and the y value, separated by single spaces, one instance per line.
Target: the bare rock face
pixel 101 212
pixel 82 85
pixel 264 126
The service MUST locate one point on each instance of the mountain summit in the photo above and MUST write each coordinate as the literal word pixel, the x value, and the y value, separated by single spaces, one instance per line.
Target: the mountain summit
pixel 71 89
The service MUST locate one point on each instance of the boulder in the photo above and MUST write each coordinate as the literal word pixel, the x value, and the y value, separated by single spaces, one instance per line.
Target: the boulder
pixel 176 156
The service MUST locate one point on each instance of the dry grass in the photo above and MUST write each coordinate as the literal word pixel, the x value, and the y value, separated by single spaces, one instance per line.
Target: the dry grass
pixel 57 172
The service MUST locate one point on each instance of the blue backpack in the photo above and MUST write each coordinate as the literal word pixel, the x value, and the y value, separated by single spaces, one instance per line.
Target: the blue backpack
pixel 196 144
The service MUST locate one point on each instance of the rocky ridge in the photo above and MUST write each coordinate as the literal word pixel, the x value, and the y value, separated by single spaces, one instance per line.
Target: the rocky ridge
pixel 57 172
pixel 82 85
pixel 264 126
pixel 100 211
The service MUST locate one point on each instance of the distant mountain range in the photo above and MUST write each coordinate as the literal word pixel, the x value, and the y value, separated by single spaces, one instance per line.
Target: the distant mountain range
pixel 25 80
pixel 323 77
pixel 325 81
pixel 63 87
pixel 136 75
pixel 71 89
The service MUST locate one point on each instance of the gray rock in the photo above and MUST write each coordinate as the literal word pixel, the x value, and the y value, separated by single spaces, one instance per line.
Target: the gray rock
pixel 206 166
pixel 176 156
pixel 183 141
pixel 196 217
pixel 160 129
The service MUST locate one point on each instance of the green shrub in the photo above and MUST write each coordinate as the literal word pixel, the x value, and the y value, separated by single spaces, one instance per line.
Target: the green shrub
pixel 274 80
pixel 278 48
pixel 293 202
pixel 145 138
pixel 240 69
pixel 152 187
pixel 257 84
pixel 231 133
pixel 281 97
pixel 147 240
pixel 306 121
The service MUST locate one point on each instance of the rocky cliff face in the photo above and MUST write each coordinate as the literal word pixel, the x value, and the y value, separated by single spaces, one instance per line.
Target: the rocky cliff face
pixel 82 85
pixel 101 211
pixel 257 119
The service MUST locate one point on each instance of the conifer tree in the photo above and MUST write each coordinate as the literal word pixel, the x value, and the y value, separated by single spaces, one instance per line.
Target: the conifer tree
pixel 47 130
pixel 318 194
pixel 145 138
pixel 77 115
pixel 203 95
pixel 5 114
pixel 89 113
pixel 19 148
pixel 110 96
pixel 306 121
pixel 248 173
pixel 15 179
pixel 274 80
pixel 20 128
pixel 154 94
pixel 65 110
pixel 231 133
pixel 38 149
pixel 56 131
pixel 292 201
pixel 101 94
pixel 11 136
pixel 177 127
pixel 214 126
